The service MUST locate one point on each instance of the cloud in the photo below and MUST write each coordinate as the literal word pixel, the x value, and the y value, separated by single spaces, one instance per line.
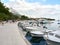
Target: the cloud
pixel 34 9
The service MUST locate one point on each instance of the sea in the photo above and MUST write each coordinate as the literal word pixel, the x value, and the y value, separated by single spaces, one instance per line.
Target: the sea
pixel 53 26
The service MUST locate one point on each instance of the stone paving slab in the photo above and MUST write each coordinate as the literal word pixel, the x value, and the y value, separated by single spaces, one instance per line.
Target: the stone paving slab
pixel 10 35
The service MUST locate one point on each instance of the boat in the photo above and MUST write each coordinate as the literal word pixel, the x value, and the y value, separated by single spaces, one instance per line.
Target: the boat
pixel 36 33
pixel 34 28
pixel 53 38
pixel 34 40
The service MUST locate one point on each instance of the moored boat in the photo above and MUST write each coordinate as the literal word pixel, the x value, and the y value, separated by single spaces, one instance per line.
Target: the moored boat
pixel 37 33
pixel 53 38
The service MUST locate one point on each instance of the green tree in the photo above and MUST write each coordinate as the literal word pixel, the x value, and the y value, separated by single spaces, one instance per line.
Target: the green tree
pixel 24 17
pixel 6 15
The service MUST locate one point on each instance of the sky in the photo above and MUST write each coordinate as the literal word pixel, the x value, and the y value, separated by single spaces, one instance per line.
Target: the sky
pixel 35 8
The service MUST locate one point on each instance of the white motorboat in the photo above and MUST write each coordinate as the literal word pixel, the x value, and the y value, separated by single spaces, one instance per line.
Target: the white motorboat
pixel 37 33
pixel 34 28
pixel 53 38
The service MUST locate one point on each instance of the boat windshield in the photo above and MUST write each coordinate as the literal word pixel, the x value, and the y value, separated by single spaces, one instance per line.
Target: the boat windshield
pixel 57 36
pixel 30 22
pixel 51 34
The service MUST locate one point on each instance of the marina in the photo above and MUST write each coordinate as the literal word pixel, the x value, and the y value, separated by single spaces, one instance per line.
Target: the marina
pixel 39 35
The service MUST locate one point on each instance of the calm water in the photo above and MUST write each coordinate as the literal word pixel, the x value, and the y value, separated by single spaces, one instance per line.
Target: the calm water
pixel 53 26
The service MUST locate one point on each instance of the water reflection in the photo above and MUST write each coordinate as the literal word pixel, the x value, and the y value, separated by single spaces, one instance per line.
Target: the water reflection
pixel 38 41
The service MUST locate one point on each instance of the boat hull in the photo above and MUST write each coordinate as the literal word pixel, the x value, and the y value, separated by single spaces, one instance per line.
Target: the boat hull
pixel 37 35
pixel 49 42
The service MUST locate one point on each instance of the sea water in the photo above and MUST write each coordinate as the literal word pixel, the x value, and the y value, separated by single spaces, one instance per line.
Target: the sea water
pixel 53 26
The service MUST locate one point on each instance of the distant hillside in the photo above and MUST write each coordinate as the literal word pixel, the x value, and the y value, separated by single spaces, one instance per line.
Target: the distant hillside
pixel 43 18
pixel 6 15
pixel 48 19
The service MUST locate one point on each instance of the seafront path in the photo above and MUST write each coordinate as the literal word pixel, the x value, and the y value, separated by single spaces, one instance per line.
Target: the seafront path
pixel 11 35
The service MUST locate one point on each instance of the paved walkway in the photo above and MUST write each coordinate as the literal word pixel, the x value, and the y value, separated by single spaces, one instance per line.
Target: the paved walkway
pixel 10 35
